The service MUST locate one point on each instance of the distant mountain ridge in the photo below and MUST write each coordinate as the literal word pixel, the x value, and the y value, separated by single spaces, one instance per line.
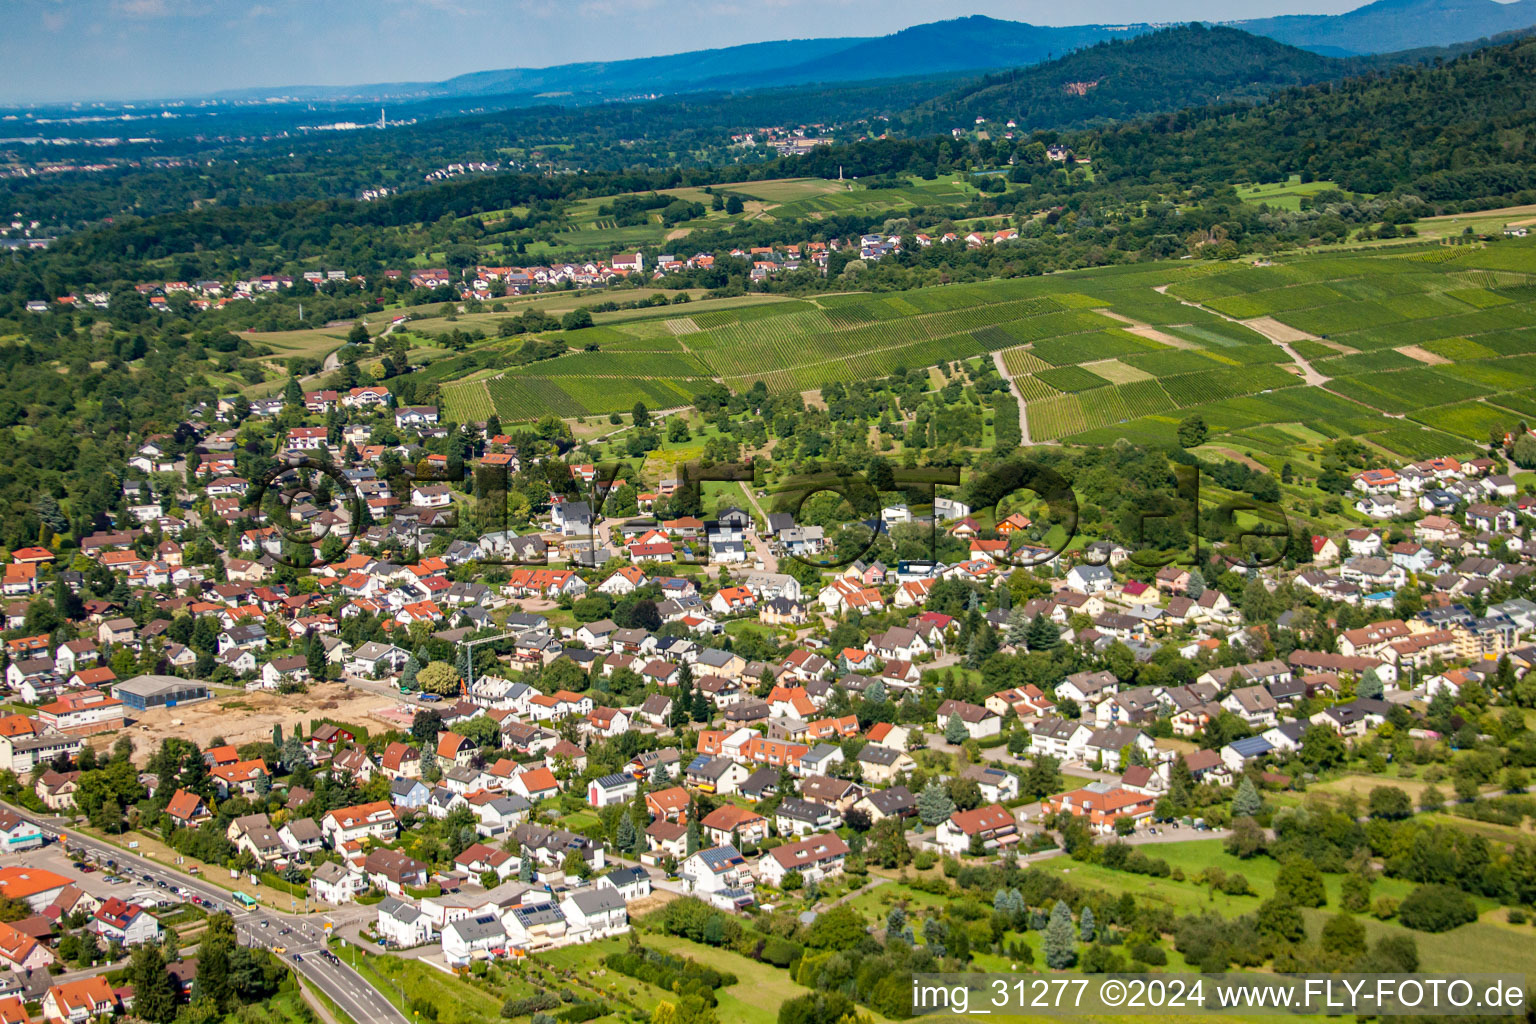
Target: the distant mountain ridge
pixel 1171 69
pixel 1389 25
pixel 968 44
pixel 1191 65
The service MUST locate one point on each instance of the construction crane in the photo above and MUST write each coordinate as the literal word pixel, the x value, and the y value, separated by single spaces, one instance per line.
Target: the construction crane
pixel 468 647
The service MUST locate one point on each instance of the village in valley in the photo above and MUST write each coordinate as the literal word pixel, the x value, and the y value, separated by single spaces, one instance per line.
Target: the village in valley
pixel 476 747
pixel 808 532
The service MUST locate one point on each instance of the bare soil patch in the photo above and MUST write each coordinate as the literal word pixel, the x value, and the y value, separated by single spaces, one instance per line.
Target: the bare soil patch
pixel 249 717
pixel 1274 330
pixel 1147 331
pixel 1423 355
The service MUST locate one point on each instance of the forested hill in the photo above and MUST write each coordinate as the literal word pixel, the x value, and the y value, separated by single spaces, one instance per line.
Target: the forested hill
pixel 1190 65
pixel 1458 131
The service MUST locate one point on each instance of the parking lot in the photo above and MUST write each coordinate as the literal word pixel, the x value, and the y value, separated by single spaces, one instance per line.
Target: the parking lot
pixel 95 881
pixel 96 878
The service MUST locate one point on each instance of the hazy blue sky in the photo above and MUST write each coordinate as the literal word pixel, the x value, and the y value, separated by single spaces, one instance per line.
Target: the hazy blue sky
pixel 111 49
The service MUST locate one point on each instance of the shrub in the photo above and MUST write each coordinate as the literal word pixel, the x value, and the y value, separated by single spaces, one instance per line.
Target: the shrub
pixel 1436 908
pixel 529 1005
pixel 1301 881
pixel 680 975
pixel 1355 893
pixel 1236 885
pixel 779 951
pixel 1343 935
pixel 817 1008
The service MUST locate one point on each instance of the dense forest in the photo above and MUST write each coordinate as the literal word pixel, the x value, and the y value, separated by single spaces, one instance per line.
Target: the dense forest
pixel 1178 67
pixel 1454 132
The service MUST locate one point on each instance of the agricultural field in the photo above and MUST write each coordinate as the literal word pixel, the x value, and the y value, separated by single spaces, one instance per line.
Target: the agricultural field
pixel 1427 349
pixel 586 227
pixel 1421 349
pixel 1286 195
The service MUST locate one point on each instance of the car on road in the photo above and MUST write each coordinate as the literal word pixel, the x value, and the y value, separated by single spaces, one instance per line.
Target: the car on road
pixel 279 950
pixel 429 698
pixel 298 958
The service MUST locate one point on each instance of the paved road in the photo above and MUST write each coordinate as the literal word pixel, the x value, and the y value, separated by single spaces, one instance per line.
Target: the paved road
pixel 759 546
pixel 260 927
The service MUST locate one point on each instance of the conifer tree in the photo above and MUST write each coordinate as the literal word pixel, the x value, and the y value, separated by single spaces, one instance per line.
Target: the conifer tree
pixel 1060 949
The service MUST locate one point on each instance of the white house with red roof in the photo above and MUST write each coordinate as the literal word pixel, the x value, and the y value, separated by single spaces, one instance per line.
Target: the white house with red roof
pixel 993 824
pixel 626 580
pixel 123 922
pixel 790 702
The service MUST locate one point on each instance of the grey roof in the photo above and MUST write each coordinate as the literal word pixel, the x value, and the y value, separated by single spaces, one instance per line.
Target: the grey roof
pixel 1292 730
pixel 716 768
pixel 154 685
pixel 626 875
pixel 400 910
pixel 329 872
pixel 304 830
pixel 509 804
pixel 875 754
pixel 478 929
pixel 598 900
pixel 801 810
pixel 891 801
pixel 820 752
pixel 762 779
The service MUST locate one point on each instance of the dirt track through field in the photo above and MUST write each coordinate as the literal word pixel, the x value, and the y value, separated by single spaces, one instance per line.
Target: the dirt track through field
pixel 1002 369
pixel 1279 334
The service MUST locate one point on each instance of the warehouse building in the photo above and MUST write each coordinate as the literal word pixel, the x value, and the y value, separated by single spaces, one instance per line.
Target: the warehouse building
pixel 144 692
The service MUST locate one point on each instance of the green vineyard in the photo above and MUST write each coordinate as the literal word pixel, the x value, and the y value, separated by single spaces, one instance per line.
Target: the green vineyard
pixel 1424 349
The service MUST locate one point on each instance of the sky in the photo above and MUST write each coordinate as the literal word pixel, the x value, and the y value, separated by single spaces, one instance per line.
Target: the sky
pixel 142 49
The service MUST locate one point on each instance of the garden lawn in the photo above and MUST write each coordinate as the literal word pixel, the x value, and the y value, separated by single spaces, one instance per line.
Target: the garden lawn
pixel 1487 945
pixel 457 1000
pixel 1197 854
pixel 877 902
pixel 1187 896
pixel 760 988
